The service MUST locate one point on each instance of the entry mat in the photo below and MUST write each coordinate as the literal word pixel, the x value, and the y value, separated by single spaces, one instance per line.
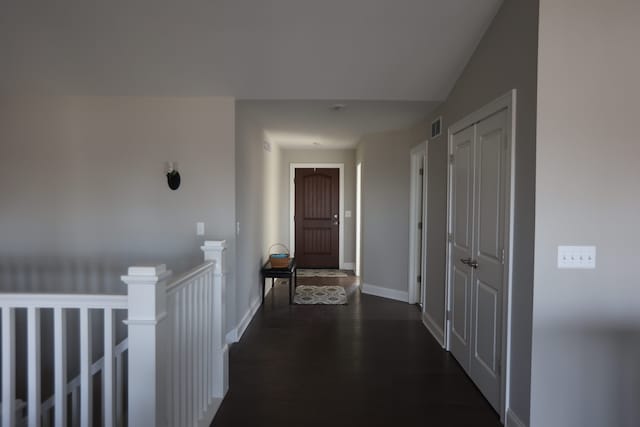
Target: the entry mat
pixel 308 272
pixel 334 295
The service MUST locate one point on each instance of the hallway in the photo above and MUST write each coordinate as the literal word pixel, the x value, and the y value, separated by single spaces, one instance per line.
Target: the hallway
pixel 370 362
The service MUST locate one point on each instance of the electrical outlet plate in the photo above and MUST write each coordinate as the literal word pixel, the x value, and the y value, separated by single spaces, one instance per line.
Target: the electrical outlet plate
pixel 580 257
pixel 200 228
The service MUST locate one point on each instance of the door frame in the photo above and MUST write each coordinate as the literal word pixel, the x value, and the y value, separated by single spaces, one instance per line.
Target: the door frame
pixel 508 102
pixel 292 205
pixel 420 149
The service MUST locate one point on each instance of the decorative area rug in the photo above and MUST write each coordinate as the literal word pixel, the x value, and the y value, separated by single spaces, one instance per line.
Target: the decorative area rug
pixel 306 294
pixel 313 272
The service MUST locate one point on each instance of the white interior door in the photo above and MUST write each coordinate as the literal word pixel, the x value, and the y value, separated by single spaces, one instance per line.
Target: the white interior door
pixel 488 255
pixel 461 243
pixel 479 178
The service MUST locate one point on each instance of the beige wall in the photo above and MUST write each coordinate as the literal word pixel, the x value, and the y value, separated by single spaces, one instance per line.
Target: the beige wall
pixel 322 156
pixel 385 162
pixel 84 195
pixel 85 189
pixel 258 206
pixel 505 59
pixel 586 329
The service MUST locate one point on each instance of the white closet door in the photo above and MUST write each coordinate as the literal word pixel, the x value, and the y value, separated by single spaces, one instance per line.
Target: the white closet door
pixel 462 243
pixel 488 246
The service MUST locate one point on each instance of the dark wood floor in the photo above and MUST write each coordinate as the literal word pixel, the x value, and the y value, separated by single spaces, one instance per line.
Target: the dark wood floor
pixel 369 363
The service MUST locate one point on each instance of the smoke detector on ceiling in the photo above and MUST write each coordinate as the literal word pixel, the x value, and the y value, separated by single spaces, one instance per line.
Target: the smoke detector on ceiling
pixel 338 107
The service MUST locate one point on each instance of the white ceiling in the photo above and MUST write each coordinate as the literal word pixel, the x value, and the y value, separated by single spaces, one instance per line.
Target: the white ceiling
pixel 314 125
pixel 249 49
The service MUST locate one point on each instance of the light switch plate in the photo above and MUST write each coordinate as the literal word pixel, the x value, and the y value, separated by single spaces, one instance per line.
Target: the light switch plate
pixel 200 228
pixel 347 214
pixel 580 257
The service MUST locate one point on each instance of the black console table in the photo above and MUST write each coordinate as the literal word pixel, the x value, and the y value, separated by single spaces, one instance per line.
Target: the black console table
pixel 289 273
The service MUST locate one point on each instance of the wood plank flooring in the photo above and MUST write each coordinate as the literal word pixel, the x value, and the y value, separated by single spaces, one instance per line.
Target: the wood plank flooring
pixel 369 363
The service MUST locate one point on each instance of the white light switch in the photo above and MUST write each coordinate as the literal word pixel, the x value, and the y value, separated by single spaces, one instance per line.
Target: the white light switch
pixel 576 257
pixel 200 228
pixel 347 214
pixel 238 228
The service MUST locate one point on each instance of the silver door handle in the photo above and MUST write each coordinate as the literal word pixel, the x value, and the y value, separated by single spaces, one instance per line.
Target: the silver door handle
pixel 470 262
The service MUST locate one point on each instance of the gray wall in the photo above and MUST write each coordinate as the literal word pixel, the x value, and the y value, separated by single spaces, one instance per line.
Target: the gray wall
pixel 85 191
pixel 586 329
pixel 84 194
pixel 506 58
pixel 258 205
pixel 322 156
pixel 385 208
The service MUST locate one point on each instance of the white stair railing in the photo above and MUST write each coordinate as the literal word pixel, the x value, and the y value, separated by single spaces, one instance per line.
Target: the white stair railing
pixel 176 352
pixel 60 304
pixel 178 358
pixel 73 389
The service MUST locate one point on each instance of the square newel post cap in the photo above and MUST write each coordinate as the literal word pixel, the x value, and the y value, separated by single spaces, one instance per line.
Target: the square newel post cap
pixel 146 274
pixel 213 248
pixel 214 244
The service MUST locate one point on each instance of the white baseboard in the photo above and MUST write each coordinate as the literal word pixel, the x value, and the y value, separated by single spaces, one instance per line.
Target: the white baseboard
pixel 235 334
pixel 513 420
pixel 433 327
pixel 378 291
pixel 348 266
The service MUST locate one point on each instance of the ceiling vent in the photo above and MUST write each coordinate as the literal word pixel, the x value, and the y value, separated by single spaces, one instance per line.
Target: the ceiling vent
pixel 436 127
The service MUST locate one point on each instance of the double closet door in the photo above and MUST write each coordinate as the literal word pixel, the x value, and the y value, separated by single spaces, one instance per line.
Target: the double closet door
pixel 479 236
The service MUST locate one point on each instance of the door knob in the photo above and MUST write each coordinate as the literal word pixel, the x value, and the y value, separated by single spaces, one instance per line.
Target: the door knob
pixel 335 216
pixel 470 262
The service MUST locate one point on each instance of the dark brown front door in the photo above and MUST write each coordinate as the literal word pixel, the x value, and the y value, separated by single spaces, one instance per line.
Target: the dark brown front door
pixel 317 217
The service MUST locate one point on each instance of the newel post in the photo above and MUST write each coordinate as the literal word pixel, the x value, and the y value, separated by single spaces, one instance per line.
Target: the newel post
pixel 146 310
pixel 216 251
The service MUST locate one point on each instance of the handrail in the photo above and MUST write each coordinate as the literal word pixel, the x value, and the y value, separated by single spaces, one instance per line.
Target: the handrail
pixel 11 300
pixel 188 275
pixel 96 367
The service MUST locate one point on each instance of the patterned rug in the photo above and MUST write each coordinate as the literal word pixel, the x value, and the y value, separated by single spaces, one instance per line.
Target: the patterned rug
pixel 317 272
pixel 306 294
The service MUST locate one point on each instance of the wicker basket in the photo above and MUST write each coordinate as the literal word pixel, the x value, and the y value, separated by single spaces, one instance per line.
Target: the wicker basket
pixel 279 260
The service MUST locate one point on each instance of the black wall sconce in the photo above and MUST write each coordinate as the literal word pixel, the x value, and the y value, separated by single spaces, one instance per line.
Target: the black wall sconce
pixel 173 176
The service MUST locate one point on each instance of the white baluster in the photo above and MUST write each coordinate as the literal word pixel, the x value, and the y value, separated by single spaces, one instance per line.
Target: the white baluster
pixel 108 371
pixel 86 379
pixel 177 373
pixel 200 326
pixel 60 361
pixel 190 355
pixel 119 391
pixel 147 309
pixel 207 339
pixel 33 362
pixel 202 360
pixel 170 404
pixel 8 367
